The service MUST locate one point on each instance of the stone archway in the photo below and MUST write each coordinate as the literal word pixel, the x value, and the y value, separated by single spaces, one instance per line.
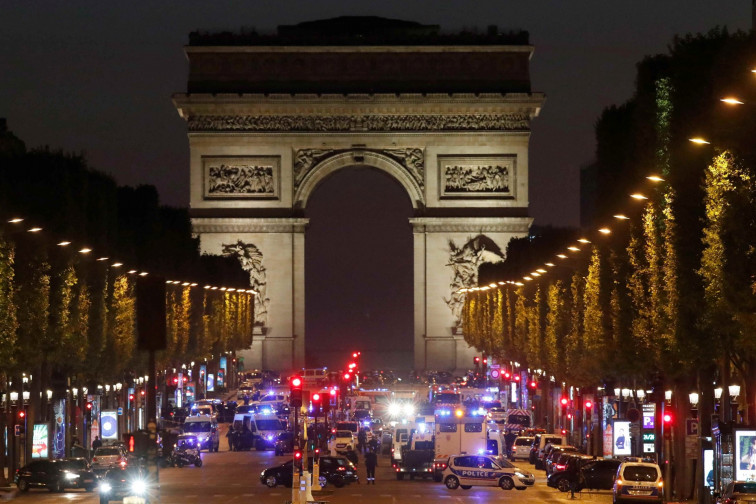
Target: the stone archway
pixel 268 121
pixel 315 169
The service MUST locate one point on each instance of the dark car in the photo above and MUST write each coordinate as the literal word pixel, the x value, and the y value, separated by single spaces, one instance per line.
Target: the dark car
pixel 337 471
pixel 554 455
pixel 56 475
pixel 596 474
pixel 284 443
pixel 129 481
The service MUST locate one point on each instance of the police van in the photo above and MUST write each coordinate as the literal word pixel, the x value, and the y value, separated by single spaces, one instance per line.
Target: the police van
pixel 467 471
pixel 268 427
pixel 205 427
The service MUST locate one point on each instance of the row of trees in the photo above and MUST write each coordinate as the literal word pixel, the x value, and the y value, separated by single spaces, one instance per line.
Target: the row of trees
pixel 669 298
pixel 69 319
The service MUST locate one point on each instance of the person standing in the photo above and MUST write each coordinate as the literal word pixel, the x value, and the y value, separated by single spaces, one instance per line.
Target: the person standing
pixel 96 443
pixel 371 461
pixel 361 441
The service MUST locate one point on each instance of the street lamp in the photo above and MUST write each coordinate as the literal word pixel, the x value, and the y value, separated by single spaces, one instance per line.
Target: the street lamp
pixel 693 396
pixel 718 393
pixel 668 395
pixel 734 391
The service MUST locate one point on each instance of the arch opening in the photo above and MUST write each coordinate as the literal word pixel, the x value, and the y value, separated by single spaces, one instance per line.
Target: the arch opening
pixel 359 270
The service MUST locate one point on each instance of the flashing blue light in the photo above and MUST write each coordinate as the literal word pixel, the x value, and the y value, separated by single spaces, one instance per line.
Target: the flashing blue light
pixel 481 452
pixel 487 398
pixel 481 411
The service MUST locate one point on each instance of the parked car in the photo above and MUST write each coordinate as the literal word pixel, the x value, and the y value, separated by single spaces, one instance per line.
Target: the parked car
pixel 553 456
pixel 55 475
pixel 467 471
pixel 541 442
pixel 740 491
pixel 639 482
pixel 337 471
pixel 521 447
pixel 108 457
pixel 591 473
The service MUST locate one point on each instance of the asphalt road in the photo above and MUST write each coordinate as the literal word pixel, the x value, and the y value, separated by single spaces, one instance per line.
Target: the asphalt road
pixel 234 477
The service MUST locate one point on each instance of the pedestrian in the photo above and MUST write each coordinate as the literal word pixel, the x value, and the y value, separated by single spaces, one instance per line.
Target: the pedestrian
pixel 230 437
pixel 371 461
pixel 96 443
pixel 573 474
pixel 361 441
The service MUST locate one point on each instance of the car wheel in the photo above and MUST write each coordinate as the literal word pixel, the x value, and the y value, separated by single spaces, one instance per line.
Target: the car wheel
pixel 180 463
pixel 271 481
pixel 338 482
pixel 399 476
pixel 465 487
pixel 563 485
pixel 322 481
pixel 506 483
pixel 452 482
pixel 23 485
pixel 198 462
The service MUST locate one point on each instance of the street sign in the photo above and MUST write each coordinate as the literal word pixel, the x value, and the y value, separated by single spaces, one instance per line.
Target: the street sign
pixel 120 410
pixel 18 430
pixel 649 415
pixel 649 437
pixel 691 426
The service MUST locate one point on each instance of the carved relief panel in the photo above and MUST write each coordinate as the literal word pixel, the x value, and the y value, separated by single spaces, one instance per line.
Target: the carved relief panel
pixel 477 176
pixel 248 177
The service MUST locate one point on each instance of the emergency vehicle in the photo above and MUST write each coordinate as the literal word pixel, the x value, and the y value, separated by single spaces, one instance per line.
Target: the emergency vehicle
pixel 467 471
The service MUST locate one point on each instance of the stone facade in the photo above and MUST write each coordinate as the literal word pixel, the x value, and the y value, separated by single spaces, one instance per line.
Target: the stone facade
pixel 255 159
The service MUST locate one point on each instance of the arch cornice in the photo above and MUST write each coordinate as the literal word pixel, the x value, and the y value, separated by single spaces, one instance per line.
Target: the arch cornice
pixel 359 158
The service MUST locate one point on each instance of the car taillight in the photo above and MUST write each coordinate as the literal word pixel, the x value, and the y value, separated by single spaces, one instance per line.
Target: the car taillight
pixel 560 467
pixel 660 484
pixel 341 468
pixel 730 500
pixel 619 482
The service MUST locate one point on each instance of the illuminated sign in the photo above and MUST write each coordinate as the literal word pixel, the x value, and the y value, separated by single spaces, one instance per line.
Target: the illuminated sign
pixel 621 440
pixel 210 382
pixel 745 455
pixel 109 424
pixel 40 441
pixel 649 416
pixel 649 437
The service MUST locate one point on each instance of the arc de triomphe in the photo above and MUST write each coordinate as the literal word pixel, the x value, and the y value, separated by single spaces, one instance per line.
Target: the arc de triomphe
pixel 270 117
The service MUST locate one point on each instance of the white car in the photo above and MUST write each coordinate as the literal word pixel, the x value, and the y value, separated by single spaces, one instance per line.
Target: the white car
pixel 467 471
pixel 521 447
pixel 638 482
pixel 341 441
pixel 107 457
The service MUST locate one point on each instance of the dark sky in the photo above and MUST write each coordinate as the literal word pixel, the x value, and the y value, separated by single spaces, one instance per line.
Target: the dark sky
pixel 98 77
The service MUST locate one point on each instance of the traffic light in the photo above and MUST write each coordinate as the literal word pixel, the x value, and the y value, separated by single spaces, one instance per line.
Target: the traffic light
pixel 88 412
pixel 131 443
pixel 21 414
pixel 317 399
pixel 295 389
pixel 668 418
pixel 564 401
pixel 329 400
pixel 588 410
pixel 298 459
pixel 476 361
pixel 533 384
pixel 507 375
pixel 347 377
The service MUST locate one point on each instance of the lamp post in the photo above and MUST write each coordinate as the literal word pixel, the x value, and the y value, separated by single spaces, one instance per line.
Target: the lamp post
pixel 734 392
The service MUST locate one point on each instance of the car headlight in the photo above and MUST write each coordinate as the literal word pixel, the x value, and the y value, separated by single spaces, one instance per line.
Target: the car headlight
pixel 70 476
pixel 520 475
pixel 139 486
pixel 105 487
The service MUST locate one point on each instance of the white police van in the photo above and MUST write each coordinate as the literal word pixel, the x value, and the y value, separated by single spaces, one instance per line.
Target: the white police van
pixel 268 427
pixel 467 471
pixel 205 427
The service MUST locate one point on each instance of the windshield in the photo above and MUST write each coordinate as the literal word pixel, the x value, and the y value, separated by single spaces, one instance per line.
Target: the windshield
pixel 268 425
pixel 344 433
pixel 197 427
pixel 519 420
pixel 74 464
pixel 640 473
pixel 505 463
pixel 105 452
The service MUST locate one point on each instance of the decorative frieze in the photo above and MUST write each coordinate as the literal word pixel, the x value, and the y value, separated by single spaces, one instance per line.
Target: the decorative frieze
pixel 248 177
pixel 358 122
pixel 476 176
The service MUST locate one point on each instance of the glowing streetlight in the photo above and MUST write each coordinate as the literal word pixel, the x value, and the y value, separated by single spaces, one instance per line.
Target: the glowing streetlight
pixel 638 196
pixel 605 231
pixel 730 100
pixel 621 217
pixel 699 141
pixel 655 178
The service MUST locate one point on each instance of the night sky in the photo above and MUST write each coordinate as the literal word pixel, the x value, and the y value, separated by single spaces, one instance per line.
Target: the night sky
pixel 98 77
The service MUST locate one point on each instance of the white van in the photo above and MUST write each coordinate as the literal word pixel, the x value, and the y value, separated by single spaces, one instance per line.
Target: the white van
pixel 205 427
pixel 268 428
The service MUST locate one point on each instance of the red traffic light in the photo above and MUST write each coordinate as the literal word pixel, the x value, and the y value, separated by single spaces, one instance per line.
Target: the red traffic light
pixel 667 418
pixel 354 355
pixel 89 405
pixel 333 392
pixel 564 432
pixel 485 360
pixel 141 393
pixel 175 379
pixel 296 382
pixel 131 397
pixel 132 442
pixel 21 414
pixel 297 455
pixel 507 375
pixel 316 397
pixel 588 405
pixel 564 401
pixel 517 377
pixel 347 376
pixel 533 384
pixel 476 360
pixel 352 365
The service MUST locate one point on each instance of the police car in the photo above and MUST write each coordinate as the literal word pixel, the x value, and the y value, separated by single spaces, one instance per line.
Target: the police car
pixel 467 471
pixel 638 482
